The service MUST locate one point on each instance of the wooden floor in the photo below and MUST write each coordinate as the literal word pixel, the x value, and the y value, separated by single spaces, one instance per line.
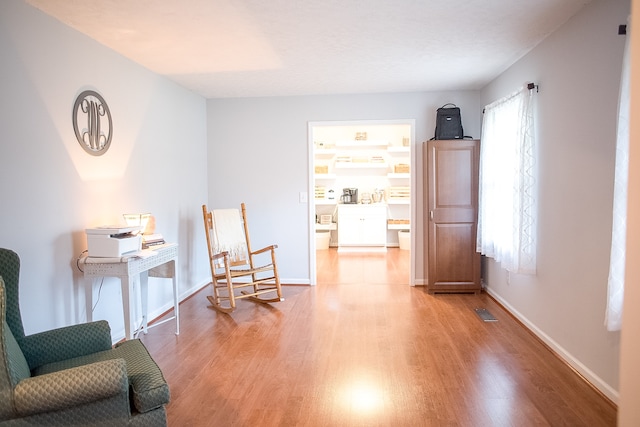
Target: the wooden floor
pixel 362 348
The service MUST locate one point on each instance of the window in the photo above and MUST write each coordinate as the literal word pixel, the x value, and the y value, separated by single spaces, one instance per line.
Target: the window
pixel 507 201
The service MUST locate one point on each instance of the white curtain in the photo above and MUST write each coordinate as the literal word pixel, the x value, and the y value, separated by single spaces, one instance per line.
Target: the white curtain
pixel 507 199
pixel 615 293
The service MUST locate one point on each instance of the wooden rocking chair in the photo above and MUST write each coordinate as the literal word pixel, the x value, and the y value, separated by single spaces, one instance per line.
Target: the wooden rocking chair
pixel 233 263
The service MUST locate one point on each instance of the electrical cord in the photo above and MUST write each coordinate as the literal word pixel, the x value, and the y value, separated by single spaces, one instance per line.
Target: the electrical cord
pixel 82 271
pixel 78 260
pixel 99 292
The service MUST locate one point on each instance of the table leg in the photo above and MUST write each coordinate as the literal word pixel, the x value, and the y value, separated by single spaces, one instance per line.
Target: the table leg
pixel 127 307
pixel 176 305
pixel 144 296
pixel 89 286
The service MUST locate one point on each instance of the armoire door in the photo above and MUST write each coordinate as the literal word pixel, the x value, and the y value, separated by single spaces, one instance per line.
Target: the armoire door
pixel 451 174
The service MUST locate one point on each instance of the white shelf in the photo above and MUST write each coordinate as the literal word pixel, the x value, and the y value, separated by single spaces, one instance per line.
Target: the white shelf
pixel 397 149
pixel 398 201
pixel 364 143
pixel 325 152
pixel 398 175
pixel 364 165
pixel 398 226
pixel 326 202
pixel 319 176
pixel 332 226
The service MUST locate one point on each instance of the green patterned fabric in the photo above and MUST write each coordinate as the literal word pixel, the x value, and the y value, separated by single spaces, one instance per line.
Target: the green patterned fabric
pixel 49 346
pixel 148 388
pixel 72 387
pixel 10 272
pixel 72 376
pixel 66 343
pixel 18 366
pixel 157 417
pixel 7 374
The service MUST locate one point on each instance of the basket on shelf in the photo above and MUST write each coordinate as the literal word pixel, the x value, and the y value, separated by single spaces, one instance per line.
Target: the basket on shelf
pixel 399 193
pixel 325 219
pixel 360 159
pixel 401 168
pixel 397 221
pixel 320 192
pixel 321 169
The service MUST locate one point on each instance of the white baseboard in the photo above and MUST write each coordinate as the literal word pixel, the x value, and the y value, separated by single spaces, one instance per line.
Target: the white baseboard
pixel 591 377
pixel 119 335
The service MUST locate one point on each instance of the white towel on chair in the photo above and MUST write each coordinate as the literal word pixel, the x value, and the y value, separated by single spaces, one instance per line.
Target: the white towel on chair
pixel 230 234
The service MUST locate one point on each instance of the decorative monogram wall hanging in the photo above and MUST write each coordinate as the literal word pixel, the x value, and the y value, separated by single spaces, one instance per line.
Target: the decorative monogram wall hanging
pixel 92 123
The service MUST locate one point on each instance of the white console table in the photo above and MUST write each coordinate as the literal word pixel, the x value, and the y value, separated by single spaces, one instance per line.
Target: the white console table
pixel 160 262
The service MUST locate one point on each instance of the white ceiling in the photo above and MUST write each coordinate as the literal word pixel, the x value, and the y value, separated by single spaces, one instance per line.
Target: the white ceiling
pixel 246 48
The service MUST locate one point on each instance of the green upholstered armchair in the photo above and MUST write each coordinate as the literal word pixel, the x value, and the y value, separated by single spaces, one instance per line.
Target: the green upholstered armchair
pixel 72 376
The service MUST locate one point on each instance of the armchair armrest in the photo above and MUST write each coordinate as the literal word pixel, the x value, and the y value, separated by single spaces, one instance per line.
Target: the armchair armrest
pixel 66 343
pixel 72 387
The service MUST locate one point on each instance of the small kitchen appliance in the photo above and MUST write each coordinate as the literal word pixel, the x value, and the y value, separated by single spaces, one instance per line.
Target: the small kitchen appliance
pixel 349 195
pixel 377 195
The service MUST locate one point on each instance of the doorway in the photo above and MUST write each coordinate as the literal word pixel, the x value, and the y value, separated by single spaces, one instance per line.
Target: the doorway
pixel 376 157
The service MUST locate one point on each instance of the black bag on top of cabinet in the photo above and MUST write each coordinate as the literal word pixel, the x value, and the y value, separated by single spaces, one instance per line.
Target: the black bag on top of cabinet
pixel 448 123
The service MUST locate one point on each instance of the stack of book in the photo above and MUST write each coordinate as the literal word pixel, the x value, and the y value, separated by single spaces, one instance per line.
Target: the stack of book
pixel 150 240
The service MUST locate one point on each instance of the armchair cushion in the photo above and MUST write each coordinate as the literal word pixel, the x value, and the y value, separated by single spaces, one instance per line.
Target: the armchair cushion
pixel 73 387
pixel 17 364
pixel 66 343
pixel 148 388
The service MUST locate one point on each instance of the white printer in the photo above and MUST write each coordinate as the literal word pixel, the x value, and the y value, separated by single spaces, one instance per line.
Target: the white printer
pixel 113 241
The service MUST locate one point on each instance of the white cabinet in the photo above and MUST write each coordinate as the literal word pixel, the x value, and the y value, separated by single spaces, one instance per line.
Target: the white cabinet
pixel 362 226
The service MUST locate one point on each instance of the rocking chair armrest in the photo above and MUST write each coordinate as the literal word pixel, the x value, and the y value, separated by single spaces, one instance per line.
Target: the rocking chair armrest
pixel 265 249
pixel 219 255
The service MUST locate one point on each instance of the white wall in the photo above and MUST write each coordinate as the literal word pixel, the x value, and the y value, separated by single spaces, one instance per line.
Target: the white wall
pixel 578 69
pixel 259 153
pixel 52 190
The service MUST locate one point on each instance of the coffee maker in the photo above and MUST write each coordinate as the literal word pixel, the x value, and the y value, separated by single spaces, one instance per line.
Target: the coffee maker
pixel 349 195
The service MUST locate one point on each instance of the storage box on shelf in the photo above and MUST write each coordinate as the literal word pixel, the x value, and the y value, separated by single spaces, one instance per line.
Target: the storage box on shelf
pixel 401 168
pixel 325 219
pixel 399 194
pixel 404 240
pixel 398 224
pixel 321 169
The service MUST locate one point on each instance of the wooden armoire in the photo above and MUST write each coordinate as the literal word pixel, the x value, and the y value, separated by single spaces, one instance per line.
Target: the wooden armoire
pixel 451 174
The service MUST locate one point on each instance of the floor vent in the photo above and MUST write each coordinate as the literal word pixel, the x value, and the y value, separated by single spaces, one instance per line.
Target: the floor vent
pixel 485 315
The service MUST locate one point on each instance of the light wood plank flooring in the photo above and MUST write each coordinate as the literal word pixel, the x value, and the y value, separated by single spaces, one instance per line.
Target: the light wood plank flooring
pixel 362 348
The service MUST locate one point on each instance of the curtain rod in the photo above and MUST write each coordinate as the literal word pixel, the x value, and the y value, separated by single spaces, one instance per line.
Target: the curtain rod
pixel 530 86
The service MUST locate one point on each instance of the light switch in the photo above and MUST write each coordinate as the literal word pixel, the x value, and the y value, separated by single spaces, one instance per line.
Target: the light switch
pixel 304 198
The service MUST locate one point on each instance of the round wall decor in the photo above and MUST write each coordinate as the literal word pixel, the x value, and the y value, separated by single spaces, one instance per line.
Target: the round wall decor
pixel 92 123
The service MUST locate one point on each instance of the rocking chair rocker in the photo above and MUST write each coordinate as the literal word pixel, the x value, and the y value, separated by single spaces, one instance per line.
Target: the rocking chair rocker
pixel 233 263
